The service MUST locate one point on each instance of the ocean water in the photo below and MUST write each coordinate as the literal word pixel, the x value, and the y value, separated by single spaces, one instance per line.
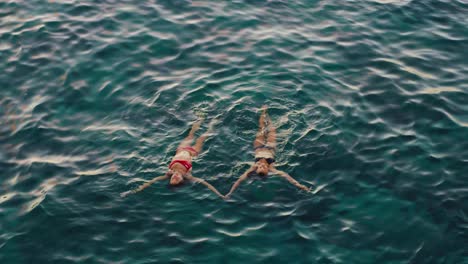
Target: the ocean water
pixel 370 99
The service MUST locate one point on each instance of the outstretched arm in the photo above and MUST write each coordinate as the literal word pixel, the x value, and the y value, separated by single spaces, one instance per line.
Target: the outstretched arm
pixel 146 184
pixel 290 179
pixel 211 187
pixel 241 179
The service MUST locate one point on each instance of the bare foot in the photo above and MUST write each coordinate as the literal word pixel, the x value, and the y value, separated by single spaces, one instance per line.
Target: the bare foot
pixel 264 108
pixel 211 126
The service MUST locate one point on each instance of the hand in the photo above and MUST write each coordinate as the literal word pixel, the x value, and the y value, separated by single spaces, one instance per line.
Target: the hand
pixel 125 194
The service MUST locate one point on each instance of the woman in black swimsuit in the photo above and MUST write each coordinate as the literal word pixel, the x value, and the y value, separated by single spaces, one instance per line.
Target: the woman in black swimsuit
pixel 265 146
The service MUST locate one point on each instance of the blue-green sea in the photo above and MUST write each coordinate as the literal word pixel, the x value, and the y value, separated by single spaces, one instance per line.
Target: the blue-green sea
pixel 369 97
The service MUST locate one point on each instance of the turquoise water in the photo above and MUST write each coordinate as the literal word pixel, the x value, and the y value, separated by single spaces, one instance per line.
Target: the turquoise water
pixel 370 99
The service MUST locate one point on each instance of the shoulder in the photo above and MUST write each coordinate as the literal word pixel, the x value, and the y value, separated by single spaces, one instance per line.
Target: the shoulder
pixel 272 169
pixel 188 176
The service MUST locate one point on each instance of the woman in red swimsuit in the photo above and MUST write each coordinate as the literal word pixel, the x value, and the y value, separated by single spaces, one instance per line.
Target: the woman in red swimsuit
pixel 265 146
pixel 180 168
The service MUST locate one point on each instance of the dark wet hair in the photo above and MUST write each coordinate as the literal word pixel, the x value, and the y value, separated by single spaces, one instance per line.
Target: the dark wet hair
pixel 268 160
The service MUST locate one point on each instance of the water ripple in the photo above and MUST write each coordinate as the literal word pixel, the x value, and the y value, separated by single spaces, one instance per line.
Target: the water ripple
pixel 369 98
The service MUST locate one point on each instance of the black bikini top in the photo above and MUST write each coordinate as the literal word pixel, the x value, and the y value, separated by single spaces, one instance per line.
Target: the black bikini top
pixel 268 160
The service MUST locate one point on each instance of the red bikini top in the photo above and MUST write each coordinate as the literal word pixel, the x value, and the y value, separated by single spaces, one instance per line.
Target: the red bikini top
pixel 184 163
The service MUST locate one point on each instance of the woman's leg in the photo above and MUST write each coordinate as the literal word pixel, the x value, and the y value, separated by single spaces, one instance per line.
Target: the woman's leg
pixel 188 140
pixel 260 137
pixel 271 138
pixel 199 142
